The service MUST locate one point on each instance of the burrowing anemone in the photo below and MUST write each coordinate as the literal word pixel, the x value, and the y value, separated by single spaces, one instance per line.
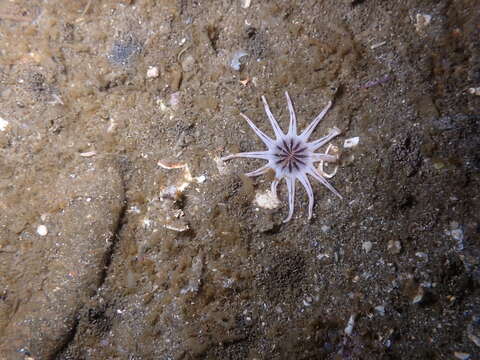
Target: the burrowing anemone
pixel 291 155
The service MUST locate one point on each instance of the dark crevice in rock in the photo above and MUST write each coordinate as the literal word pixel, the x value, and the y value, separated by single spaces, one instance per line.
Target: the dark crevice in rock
pixel 108 256
pixel 106 262
pixel 70 336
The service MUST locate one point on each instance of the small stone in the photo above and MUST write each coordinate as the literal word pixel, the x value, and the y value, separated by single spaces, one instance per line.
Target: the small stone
pixel 457 234
pixel 418 298
pixel 200 179
pixel 88 154
pixel 423 20
pixel 473 330
pixel 42 230
pixel 325 228
pixel 394 247
pixel 461 355
pixel 246 3
pixel 351 323
pixel 266 200
pixel 152 72
pixel 438 165
pixel 380 309
pixel 235 61
pixel 188 63
pixel 3 124
pixel 367 246
pixel 421 255
pixel 474 91
pixel 307 301
pixel 475 339
pixel 352 142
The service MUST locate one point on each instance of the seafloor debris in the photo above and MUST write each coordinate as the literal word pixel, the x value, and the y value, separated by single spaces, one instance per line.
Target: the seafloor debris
pixel 381 80
pixel 474 91
pixel 352 142
pixel 331 150
pixel 456 232
pixel 380 309
pixel 394 247
pixel 235 62
pixel 419 295
pixel 461 355
pixel 422 21
pixel 351 323
pixel 246 3
pixel 42 230
pixel 266 200
pixel 374 46
pixel 195 278
pixel 88 154
pixel 170 196
pixel 152 72
pixel 3 124
pixel 367 246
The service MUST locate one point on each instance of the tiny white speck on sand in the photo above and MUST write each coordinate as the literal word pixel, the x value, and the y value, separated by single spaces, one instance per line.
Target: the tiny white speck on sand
pixel 3 124
pixel 42 230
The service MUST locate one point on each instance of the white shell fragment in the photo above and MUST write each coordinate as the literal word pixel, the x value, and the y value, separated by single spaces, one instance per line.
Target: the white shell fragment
pixel 246 3
pixel 42 230
pixel 423 20
pixel 474 91
pixel 351 322
pixel 152 72
pixel 367 246
pixel 461 355
pixel 235 62
pixel 195 277
pixel 266 200
pixel 374 46
pixel 200 179
pixel 169 165
pixel 456 232
pixel 3 124
pixel 380 309
pixel 352 142
pixel 180 228
pixel 326 228
pixel 418 296
pixel 88 154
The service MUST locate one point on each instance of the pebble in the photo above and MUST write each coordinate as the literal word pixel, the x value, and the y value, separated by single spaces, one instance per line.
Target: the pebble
pixel 325 228
pixel 380 309
pixel 475 339
pixel 235 62
pixel 474 91
pixel 461 355
pixel 423 20
pixel 266 200
pixel 152 72
pixel 419 296
pixel 42 230
pixel 394 247
pixel 456 232
pixel 352 142
pixel 246 3
pixel 88 154
pixel 188 63
pixel 473 330
pixel 351 322
pixel 3 124
pixel 367 246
